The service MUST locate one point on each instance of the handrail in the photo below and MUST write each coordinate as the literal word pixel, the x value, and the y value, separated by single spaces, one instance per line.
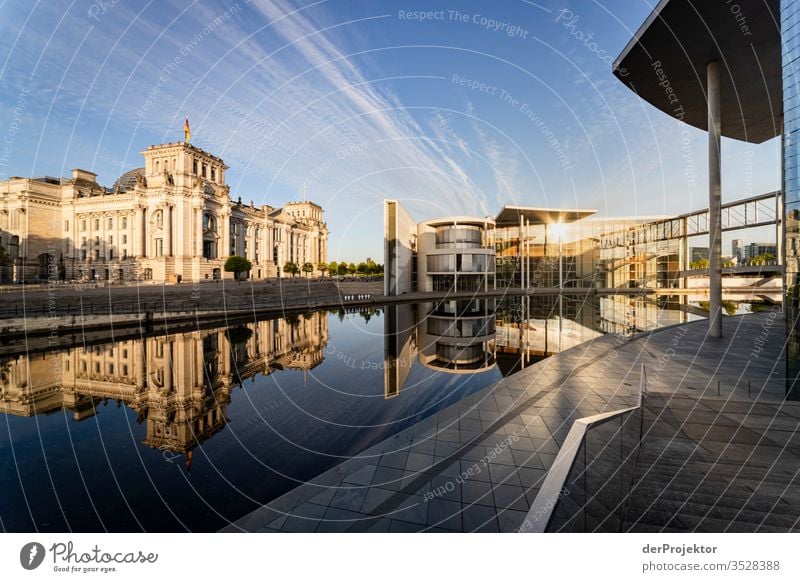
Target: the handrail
pixel 544 505
pixel 547 498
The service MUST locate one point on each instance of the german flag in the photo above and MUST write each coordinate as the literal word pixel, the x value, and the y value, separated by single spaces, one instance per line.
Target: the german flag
pixel 186 131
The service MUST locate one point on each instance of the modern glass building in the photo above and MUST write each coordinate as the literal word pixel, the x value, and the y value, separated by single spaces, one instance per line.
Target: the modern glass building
pixel 730 69
pixel 790 62
pixel 529 248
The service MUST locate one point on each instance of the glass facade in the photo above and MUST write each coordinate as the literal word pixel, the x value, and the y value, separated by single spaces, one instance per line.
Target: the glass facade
pixel 595 253
pixel 460 236
pixel 461 263
pixel 790 61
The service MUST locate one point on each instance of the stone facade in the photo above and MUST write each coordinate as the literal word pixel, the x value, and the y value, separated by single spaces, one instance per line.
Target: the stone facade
pixel 172 220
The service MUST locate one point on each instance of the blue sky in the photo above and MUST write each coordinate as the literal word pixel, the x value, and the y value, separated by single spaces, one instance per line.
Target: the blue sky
pixel 481 104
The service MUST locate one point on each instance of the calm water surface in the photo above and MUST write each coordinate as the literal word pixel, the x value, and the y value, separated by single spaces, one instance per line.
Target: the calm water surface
pixel 190 431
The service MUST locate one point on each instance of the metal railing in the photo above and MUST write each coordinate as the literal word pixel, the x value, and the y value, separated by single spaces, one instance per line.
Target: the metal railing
pixel 177 306
pixel 587 486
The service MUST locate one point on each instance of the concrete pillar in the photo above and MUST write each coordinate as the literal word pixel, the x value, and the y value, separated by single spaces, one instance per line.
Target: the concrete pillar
pixel 714 199
pixel 528 254
pixel 138 242
pixel 519 252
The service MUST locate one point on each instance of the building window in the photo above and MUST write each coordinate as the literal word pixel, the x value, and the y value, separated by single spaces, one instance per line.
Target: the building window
pixel 124 253
pixel 124 222
pixel 110 254
pixel 83 258
pixel 159 247
pixel 110 240
pixel 97 254
pixel 97 240
pixel 124 239
pixel 66 226
pixel 194 167
pixel 97 224
pixel 110 223
pixel 83 225
pixel 157 166
pixel 159 218
pixel 213 175
pixel 204 170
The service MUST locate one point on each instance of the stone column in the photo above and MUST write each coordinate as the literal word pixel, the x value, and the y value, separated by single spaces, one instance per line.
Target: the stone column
pixel 168 218
pixel 140 356
pixel 714 199
pixel 143 235
pixel 198 246
pixel 226 235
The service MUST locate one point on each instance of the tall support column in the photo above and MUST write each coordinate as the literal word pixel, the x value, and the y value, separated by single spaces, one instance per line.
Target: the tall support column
pixel 714 199
pixel 528 245
pixel 519 252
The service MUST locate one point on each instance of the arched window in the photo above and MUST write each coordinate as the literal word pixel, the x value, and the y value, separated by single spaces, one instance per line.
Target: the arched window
pixel 209 223
pixel 158 218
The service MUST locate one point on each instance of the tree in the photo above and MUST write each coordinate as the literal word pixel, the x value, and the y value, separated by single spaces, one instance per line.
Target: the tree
pixel 351 268
pixel 291 268
pixel 342 268
pixel 236 264
pixel 699 264
pixel 308 268
pixel 362 268
pixel 333 267
pixel 322 268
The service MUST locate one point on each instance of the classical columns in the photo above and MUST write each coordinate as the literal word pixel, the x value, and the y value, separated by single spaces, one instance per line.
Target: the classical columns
pixel 168 230
pixel 140 356
pixel 714 199
pixel 141 221
pixel 198 222
pixel 225 219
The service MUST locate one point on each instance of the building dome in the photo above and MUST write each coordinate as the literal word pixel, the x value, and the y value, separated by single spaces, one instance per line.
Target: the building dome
pixel 127 180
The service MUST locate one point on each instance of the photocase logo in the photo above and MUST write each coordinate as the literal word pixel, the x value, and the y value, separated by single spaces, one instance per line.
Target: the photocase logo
pixel 31 555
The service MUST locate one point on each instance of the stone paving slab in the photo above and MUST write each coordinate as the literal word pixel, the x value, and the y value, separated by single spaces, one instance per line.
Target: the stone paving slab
pixel 477 465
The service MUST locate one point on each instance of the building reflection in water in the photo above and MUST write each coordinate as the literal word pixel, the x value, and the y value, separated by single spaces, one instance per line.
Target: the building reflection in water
pixel 179 385
pixel 474 336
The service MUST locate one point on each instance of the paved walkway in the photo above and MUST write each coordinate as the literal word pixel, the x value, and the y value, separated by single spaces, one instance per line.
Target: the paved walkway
pixel 478 465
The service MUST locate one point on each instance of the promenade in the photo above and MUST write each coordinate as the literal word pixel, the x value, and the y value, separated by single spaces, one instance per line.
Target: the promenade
pixel 715 419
